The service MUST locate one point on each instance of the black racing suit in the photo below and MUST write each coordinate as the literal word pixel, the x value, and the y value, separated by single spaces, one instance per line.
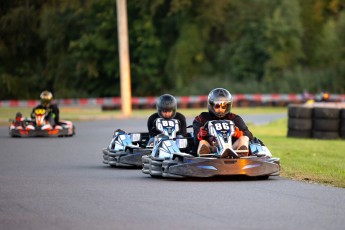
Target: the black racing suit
pixel 152 129
pixel 200 120
pixel 53 113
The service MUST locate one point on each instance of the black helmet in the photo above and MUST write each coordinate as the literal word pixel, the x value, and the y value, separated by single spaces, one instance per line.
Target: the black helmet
pixel 219 97
pixel 166 102
pixel 46 97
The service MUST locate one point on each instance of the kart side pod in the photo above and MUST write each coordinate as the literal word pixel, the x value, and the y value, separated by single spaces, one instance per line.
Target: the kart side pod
pixel 164 148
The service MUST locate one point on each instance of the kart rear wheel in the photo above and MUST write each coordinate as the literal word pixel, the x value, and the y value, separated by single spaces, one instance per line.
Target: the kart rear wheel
pixel 262 177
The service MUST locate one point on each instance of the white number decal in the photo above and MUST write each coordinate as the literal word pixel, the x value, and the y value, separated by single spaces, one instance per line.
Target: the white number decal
pixel 222 126
pixel 168 123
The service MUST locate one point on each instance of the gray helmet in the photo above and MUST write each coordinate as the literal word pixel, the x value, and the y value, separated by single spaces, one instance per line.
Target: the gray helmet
pixel 219 97
pixel 166 102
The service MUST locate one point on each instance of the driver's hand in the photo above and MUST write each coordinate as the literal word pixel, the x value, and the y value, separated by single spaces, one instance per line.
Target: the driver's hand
pixel 238 133
pixel 202 133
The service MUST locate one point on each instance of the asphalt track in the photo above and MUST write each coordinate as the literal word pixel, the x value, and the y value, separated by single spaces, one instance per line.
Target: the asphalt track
pixel 61 183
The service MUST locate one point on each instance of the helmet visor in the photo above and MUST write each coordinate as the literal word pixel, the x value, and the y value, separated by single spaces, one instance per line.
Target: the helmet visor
pixel 45 101
pixel 219 104
pixel 220 108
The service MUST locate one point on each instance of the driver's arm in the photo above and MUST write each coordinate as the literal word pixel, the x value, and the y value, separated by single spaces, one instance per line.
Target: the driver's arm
pixel 151 125
pixel 243 127
pixel 197 124
pixel 183 124
pixel 56 113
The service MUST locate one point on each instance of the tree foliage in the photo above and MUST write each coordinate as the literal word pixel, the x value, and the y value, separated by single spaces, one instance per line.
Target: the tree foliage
pixel 176 46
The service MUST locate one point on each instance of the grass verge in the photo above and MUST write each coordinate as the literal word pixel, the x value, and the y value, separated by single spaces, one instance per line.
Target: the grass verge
pixel 310 160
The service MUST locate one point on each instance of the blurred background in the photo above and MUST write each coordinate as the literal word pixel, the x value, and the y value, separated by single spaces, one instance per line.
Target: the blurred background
pixel 182 47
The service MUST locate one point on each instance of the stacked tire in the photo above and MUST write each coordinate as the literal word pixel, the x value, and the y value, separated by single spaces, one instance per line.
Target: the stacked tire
pixel 300 121
pixel 326 123
pixel 342 123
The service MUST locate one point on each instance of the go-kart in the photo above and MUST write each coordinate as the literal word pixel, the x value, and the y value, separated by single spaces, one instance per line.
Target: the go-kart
pixel 40 126
pixel 127 149
pixel 166 159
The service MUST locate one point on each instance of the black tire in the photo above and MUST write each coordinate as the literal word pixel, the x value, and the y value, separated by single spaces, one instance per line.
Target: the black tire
pixel 299 124
pixel 328 113
pixel 342 125
pixel 342 133
pixel 262 177
pixel 298 111
pixel 342 114
pixel 326 124
pixel 325 135
pixel 299 133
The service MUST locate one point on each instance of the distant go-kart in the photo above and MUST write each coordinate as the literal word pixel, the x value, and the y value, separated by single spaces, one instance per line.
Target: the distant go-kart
pixel 166 159
pixel 39 126
pixel 127 149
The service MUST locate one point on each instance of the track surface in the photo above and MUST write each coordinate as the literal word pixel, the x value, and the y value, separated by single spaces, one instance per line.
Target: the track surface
pixel 60 183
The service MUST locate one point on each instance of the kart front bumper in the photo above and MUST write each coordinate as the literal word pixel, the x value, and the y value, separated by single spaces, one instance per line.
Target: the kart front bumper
pixel 209 167
pixel 127 158
pixel 41 133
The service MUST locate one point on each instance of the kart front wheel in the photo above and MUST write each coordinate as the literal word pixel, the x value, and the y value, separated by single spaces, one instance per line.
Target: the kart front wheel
pixel 263 177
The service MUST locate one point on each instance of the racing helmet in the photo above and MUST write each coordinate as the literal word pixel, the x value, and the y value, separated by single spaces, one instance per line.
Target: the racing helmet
pixel 219 97
pixel 46 97
pixel 166 102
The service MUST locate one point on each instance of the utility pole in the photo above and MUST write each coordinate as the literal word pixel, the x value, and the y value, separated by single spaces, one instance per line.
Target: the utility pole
pixel 125 75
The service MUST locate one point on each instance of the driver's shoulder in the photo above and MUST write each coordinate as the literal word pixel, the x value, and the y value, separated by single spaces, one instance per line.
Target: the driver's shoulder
pixel 153 116
pixel 179 116
pixel 203 117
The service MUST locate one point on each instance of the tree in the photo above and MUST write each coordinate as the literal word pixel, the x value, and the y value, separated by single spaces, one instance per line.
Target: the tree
pixel 283 36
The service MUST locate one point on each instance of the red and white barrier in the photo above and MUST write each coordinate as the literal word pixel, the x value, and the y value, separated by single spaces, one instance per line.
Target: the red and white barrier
pixel 185 101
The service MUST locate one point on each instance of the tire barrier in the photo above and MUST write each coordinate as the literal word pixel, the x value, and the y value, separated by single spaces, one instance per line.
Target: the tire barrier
pixel 299 121
pixel 326 123
pixel 319 121
pixel 342 123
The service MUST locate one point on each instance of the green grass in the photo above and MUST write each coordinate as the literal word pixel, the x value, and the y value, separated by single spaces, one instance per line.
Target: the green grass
pixel 91 113
pixel 310 160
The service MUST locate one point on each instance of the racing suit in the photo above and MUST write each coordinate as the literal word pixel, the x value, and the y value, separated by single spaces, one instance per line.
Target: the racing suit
pixel 201 119
pixel 53 113
pixel 152 129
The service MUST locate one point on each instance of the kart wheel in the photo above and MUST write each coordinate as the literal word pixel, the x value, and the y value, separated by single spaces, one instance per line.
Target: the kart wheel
pixel 262 177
